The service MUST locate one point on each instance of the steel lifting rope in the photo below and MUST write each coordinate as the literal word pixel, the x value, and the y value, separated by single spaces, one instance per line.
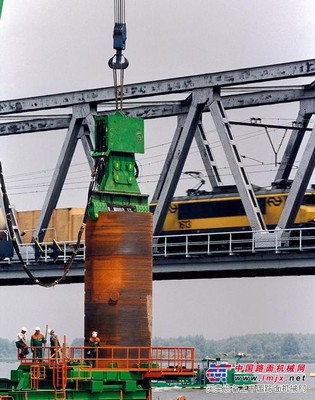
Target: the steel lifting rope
pixel 119 11
pixel 119 61
pixel 119 99
pixel 16 247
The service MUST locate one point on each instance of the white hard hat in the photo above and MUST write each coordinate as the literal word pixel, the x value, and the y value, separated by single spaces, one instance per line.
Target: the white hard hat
pixel 94 334
pixel 23 329
pixel 37 328
pixel 49 331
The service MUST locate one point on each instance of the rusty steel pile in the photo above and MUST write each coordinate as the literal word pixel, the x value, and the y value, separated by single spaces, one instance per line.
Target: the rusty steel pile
pixel 118 278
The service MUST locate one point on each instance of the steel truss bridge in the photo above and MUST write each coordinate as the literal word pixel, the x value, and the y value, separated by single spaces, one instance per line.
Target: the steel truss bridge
pixel 200 94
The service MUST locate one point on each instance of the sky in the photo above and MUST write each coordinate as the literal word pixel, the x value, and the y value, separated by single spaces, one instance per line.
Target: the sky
pixel 55 46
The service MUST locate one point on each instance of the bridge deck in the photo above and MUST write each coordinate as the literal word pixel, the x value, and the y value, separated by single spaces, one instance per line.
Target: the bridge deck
pixel 182 257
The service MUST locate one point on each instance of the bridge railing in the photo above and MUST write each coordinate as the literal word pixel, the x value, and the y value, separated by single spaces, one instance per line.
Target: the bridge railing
pixel 236 242
pixel 187 245
pixel 46 253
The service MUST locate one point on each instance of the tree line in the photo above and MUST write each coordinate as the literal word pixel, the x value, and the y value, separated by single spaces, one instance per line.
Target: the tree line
pixel 261 347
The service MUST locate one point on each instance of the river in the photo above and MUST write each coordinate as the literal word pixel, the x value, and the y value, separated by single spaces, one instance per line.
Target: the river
pixel 303 391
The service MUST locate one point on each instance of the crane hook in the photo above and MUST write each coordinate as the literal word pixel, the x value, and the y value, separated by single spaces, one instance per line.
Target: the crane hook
pixel 118 61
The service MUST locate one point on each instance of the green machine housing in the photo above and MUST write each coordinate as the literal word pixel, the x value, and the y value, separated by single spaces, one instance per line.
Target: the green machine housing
pixel 117 139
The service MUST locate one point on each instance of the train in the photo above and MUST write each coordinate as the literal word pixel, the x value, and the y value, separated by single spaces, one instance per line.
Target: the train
pixel 206 212
pixel 64 224
pixel 222 211
pixel 63 227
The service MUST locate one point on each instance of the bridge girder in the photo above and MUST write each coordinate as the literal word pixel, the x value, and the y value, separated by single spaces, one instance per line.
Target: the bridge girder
pixel 178 268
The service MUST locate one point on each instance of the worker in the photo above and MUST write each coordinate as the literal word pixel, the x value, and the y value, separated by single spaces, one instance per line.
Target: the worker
pixel 37 341
pixel 54 343
pixel 21 343
pixel 94 343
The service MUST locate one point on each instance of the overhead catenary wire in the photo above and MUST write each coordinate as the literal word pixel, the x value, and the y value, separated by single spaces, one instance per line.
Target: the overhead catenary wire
pixel 77 183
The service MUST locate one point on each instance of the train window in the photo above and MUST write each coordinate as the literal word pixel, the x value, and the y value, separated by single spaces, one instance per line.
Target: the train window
pixel 214 209
pixel 309 199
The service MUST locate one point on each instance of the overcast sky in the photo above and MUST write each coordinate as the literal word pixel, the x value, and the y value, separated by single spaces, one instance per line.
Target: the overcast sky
pixel 55 46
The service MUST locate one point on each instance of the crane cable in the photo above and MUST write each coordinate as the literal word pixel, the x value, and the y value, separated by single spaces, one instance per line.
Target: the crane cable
pixel 76 249
pixel 119 99
pixel 119 18
pixel 119 61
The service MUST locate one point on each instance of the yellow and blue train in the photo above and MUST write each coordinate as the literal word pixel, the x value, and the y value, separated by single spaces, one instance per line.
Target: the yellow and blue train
pixel 222 211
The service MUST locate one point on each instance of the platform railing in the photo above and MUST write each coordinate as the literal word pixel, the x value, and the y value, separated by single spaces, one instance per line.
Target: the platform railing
pixel 156 359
